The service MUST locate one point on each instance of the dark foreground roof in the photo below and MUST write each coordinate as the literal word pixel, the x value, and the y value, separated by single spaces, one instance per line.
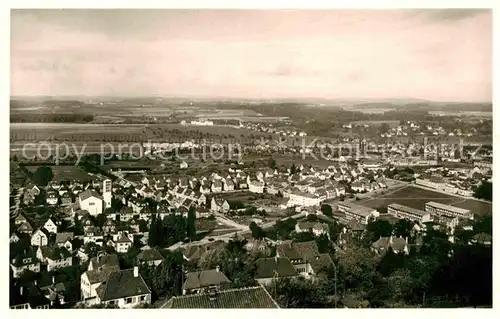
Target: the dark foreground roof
pixel 122 284
pixel 29 294
pixel 246 298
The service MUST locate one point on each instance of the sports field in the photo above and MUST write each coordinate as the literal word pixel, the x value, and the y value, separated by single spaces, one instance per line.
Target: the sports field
pixel 417 197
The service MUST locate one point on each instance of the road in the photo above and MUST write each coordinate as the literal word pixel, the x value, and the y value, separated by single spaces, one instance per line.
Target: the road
pixel 242 229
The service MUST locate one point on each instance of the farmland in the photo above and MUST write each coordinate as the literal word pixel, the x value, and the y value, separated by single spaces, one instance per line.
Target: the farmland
pixel 417 197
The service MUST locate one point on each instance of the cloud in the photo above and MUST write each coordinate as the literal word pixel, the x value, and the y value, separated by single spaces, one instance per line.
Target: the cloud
pixel 327 53
pixel 446 15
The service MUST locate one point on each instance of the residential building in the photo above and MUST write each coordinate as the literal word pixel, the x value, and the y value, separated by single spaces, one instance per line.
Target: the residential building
pixel 298 198
pixel 151 257
pixel 202 281
pixel 25 261
pixel 40 237
pixel 90 201
pixel 435 208
pixel 397 244
pixel 124 289
pixel 54 257
pixel 50 226
pixel 401 211
pixel 357 212
pixel 273 268
pixel 316 228
pixel 27 296
pixel 256 186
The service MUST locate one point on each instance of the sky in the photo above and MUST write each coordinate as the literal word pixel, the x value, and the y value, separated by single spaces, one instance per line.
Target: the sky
pixel 441 55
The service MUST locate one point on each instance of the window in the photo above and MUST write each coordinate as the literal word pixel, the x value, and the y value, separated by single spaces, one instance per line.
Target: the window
pixel 143 298
pixel 128 300
pixel 91 204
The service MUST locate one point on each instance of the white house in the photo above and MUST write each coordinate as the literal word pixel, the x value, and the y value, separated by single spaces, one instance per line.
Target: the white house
pixel 183 165
pixel 256 187
pixel 55 257
pixel 90 201
pixel 40 237
pixel 50 226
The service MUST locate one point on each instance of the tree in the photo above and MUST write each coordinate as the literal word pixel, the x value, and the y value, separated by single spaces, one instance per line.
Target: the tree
pixel 42 176
pixel 327 210
pixel 257 232
pixel 379 228
pixel 191 222
pixel 484 191
pixel 293 169
pixel 403 227
pixel 272 163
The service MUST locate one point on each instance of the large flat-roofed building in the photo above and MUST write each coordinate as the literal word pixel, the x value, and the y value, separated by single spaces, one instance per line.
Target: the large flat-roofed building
pixel 357 212
pixel 447 210
pixel 401 211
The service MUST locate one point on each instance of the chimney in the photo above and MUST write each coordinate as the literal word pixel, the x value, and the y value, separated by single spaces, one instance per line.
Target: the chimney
pixel 390 240
pixel 136 271
pixel 217 269
pixel 53 279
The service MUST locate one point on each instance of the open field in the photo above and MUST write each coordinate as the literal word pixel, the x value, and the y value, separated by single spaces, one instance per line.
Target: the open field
pixel 65 173
pixel 417 197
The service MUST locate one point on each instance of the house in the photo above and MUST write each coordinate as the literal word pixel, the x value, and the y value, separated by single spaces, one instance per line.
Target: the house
pixel 19 220
pixel 27 296
pixel 195 253
pixel 482 239
pixel 151 257
pixel 40 237
pixel 219 205
pixel 305 257
pixel 66 199
pixel 122 244
pixel 299 198
pixel 242 298
pixel 273 268
pixel 91 201
pixel 397 244
pixel 25 261
pixel 228 185
pixel 316 228
pixel 25 228
pixel 65 240
pixel 98 270
pixel 258 246
pixel 52 197
pixel 50 226
pixel 401 211
pixel 53 289
pixel 256 186
pixel 93 234
pixel 357 212
pixel 183 165
pixel 109 226
pixel 14 237
pixel 54 256
pixel 124 289
pixel 216 186
pixel 201 281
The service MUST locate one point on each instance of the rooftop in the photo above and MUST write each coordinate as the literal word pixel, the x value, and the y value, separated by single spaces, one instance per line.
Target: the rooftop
pixel 244 298
pixel 205 278
pixel 448 207
pixel 407 209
